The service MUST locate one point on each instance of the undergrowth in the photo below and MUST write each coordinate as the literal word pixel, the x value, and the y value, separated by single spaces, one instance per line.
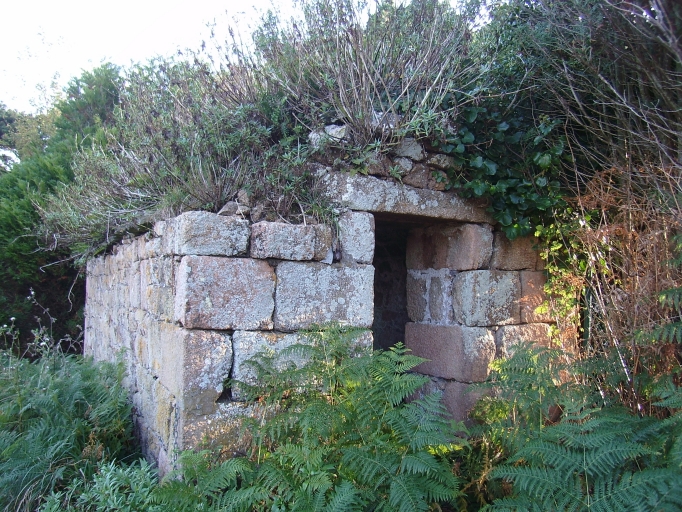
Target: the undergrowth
pixel 338 435
pixel 557 437
pixel 60 417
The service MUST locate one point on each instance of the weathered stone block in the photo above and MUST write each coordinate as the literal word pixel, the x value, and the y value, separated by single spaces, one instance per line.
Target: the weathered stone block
pixel 459 398
pixel 463 247
pixel 315 293
pixel 370 194
pixel 485 297
pixel 421 176
pixel 404 165
pixel 207 364
pixel 157 410
pixel 221 429
pixel 440 308
pixel 296 242
pixel 508 336
pixel 323 243
pixel 356 237
pixel 532 296
pixel 410 148
pixel 454 352
pixel 470 246
pixel 208 234
pixel 443 162
pixel 517 254
pixel 247 344
pixel 224 293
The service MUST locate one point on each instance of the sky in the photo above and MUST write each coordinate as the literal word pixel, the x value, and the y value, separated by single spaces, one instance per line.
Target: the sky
pixel 47 40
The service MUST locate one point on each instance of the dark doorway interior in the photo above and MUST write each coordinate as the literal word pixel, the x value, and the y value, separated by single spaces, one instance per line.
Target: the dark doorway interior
pixel 390 274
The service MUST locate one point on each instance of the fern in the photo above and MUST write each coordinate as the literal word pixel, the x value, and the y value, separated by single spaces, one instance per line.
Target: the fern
pixel 60 416
pixel 597 459
pixel 339 436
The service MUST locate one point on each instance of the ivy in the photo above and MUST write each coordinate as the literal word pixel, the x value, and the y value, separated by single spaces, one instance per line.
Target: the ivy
pixel 508 159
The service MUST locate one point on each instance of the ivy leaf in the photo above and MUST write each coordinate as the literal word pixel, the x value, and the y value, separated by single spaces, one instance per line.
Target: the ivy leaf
pixel 472 115
pixel 491 167
pixel 503 126
pixel 544 160
pixel 514 139
pixel 477 162
pixel 459 148
pixel 541 181
pixel 479 188
pixel 505 218
pixel 468 138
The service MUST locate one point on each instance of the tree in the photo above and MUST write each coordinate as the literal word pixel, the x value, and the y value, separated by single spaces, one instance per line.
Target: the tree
pixel 46 144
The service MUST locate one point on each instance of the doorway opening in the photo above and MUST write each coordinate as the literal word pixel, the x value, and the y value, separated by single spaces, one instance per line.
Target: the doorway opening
pixel 390 280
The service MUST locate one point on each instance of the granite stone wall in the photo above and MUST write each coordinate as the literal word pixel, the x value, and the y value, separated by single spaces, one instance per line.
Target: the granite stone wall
pixel 471 295
pixel 186 304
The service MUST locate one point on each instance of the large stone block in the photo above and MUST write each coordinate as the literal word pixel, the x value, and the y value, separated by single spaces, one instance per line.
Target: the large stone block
pixel 410 148
pixel 429 296
pixel 356 237
pixel 532 296
pixel 463 247
pixel 370 194
pixel 206 234
pixel 440 299
pixel 223 429
pixel 460 398
pixel 247 344
pixel 315 293
pixel 296 242
pixel 508 336
pixel 517 254
pixel 192 364
pixel 453 352
pixel 156 409
pixel 224 293
pixel 416 296
pixel 157 283
pixel 485 297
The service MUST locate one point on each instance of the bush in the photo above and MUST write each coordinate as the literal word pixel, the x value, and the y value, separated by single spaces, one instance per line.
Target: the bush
pixel 190 135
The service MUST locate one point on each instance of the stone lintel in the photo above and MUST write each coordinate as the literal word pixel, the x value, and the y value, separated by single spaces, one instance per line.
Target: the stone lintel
pixel 370 194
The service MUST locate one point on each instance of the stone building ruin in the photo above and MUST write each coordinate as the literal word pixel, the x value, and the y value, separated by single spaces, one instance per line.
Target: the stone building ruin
pixel 186 304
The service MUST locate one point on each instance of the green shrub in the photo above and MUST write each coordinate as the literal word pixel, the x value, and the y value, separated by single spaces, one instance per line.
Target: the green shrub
pixel 59 417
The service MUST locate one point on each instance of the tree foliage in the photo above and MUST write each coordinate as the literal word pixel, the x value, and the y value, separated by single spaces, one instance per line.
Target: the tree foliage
pixel 46 144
